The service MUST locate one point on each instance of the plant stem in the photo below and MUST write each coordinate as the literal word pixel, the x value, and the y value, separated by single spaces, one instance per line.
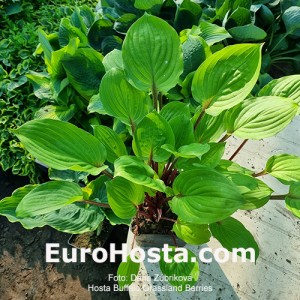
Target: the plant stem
pixel 155 98
pixel 168 219
pixel 95 203
pixel 224 138
pixel 238 149
pixel 260 173
pixel 285 52
pixel 160 97
pixel 108 174
pixel 199 119
pixel 277 197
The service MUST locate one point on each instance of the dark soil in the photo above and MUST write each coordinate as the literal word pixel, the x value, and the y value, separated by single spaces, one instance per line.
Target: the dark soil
pixel 24 274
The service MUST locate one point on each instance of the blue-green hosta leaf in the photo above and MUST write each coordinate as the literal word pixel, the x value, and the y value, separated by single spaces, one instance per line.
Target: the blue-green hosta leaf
pixel 56 112
pixel 232 234
pixel 292 200
pixel 75 218
pixel 127 270
pixel 291 20
pixel 227 77
pixel 247 33
pixel 204 196
pixel 261 117
pixel 188 151
pixel 113 60
pixel 193 234
pixel 62 146
pixel 150 134
pixel 187 272
pixel 8 207
pixel 212 33
pixel 113 144
pixel 120 99
pixel 48 197
pixel 84 70
pixel 284 167
pixel 136 171
pixel 152 55
pixel 124 196
pixel 287 86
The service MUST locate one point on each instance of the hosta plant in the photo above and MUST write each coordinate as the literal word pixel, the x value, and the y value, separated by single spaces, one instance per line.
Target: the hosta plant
pixel 158 162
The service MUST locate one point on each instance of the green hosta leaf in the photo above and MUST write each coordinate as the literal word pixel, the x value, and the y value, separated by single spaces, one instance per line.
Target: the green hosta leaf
pixel 188 151
pixel 96 105
pixel 232 234
pixel 257 197
pixel 284 167
pixel 97 189
pixel 48 197
pixel 227 77
pixel 126 270
pixel 62 146
pixel 75 218
pixel 136 171
pixel 175 109
pixel 247 33
pixel 124 196
pixel 210 128
pixel 147 4
pixel 115 220
pixel 213 156
pixel 292 200
pixel 152 55
pixel 67 175
pixel 212 33
pixel 195 51
pixel 84 70
pixel 222 7
pixel 188 272
pixel 227 166
pixel 8 207
pixel 287 86
pixel 261 117
pixel 120 99
pixel 193 234
pixel 204 196
pixel 41 84
pixel 243 182
pixel 151 133
pixel 113 144
pixel 182 137
pixel 291 20
pixel 56 112
pixel 113 60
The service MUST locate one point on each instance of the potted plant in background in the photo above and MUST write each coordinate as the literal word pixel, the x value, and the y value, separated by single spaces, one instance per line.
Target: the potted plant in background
pixel 157 162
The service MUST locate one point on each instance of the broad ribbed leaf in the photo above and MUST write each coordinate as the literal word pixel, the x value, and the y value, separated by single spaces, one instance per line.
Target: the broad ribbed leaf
pixel 124 196
pixel 113 60
pixel 284 167
pixel 181 274
pixel 193 234
pixel 204 196
pixel 62 146
pixel 136 171
pixel 84 70
pixel 175 109
pixel 75 218
pixel 8 207
pixel 231 233
pixel 228 166
pixel 127 271
pixel 113 144
pixel 292 200
pixel 188 151
pixel 291 20
pixel 287 86
pixel 212 33
pixel 147 4
pixel 227 77
pixel 151 133
pixel 120 99
pixel 61 113
pixel 152 55
pixel 213 156
pixel 48 197
pixel 247 33
pixel 261 117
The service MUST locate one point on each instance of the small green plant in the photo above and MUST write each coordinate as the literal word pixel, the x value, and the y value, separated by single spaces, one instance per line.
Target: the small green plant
pixel 158 158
